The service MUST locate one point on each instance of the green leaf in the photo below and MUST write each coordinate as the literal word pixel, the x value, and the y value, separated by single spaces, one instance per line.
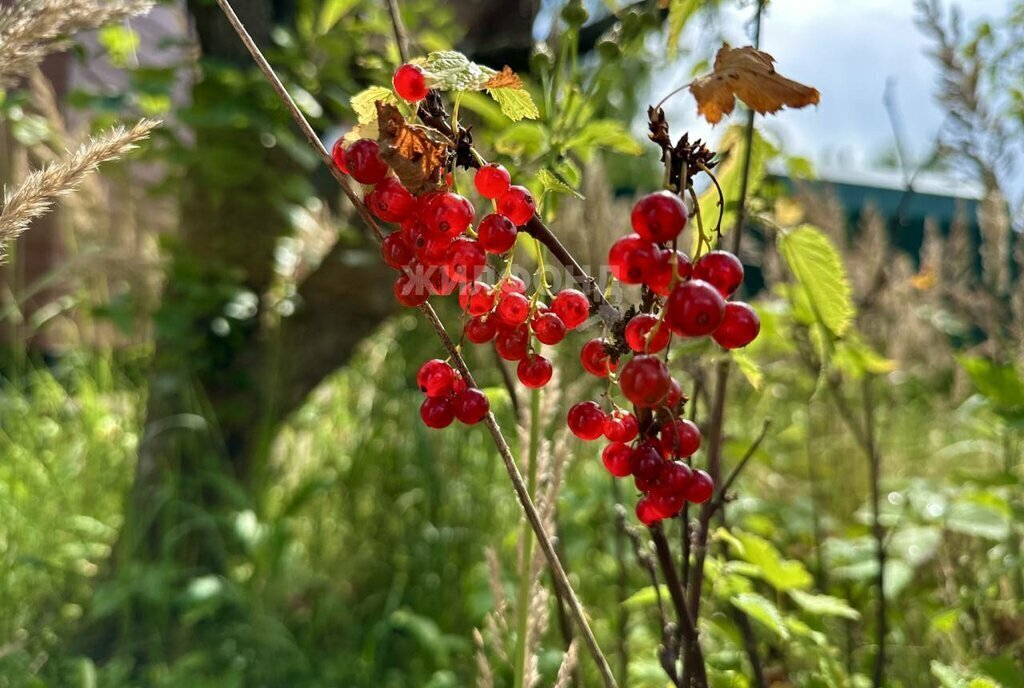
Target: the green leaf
pixel 824 605
pixel 645 597
pixel 856 358
pixel 978 520
pixel 516 103
pixel 604 134
pixel 364 103
pixel 120 42
pixel 815 263
pixel 552 183
pixel 331 13
pixel 679 12
pixel 781 574
pixel 763 611
pixel 1000 383
pixel 749 367
pixel 947 675
pixel 449 70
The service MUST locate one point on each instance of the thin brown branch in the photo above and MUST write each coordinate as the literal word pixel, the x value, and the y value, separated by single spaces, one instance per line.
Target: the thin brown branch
pixel 694 656
pixel 719 501
pixel 401 36
pixel 525 501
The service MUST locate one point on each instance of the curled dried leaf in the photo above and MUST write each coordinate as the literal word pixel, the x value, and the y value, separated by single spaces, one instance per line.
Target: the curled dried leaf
pixel 506 78
pixel 748 74
pixel 417 154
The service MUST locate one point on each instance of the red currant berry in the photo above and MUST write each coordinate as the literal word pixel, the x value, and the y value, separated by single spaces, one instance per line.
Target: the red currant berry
pixel 425 201
pixel 675 478
pixel 476 298
pixel 517 204
pixel 595 359
pixel 586 420
pixel 459 385
pixel 471 405
pixel 534 371
pixel 437 412
pixel 514 309
pixel 572 307
pixel 680 438
pixel 440 283
pixel 410 292
pixel 666 504
pixel 632 258
pixel 645 333
pixel 448 214
pixel 410 83
pixel 512 343
pixel 390 201
pixel 338 155
pixel 674 396
pixel 695 309
pixel 720 269
pixel 415 232
pixel 481 329
pixel 492 180
pixel 739 327
pixel 496 233
pixel 645 380
pixel 646 512
pixel 621 426
pixel 646 462
pixel 465 259
pixel 548 328
pixel 661 276
pixel 701 488
pixel 396 251
pixel 659 217
pixel 434 251
pixel 616 458
pixel 512 285
pixel 435 378
pixel 364 162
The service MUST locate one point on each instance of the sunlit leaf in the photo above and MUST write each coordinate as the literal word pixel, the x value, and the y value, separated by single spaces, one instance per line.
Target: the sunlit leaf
pixel 749 367
pixel 782 574
pixel 364 103
pixel 449 70
pixel 515 103
pixel 763 611
pixel 552 183
pixel 331 13
pixel 603 134
pixel 824 605
pixel 679 12
pixel 817 266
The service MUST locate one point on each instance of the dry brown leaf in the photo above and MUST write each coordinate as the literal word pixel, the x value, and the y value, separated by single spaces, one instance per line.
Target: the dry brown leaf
pixel 416 154
pixel 506 78
pixel 747 74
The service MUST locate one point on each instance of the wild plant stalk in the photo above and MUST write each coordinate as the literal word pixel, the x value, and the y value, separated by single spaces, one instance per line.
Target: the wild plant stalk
pixel 519 660
pixel 522 492
pixel 36 195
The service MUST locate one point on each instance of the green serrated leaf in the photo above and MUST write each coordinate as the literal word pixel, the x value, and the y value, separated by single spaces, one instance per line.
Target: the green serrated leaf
pixel 817 266
pixel 749 367
pixel 364 103
pixel 604 134
pixel 450 70
pixel 762 610
pixel 824 605
pixel 679 12
pixel 782 574
pixel 552 183
pixel 331 13
pixel 515 103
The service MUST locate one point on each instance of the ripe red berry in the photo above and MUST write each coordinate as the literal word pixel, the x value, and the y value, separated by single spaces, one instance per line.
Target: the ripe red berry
pixel 338 155
pixel 471 405
pixel 695 309
pixel 410 292
pixel 680 438
pixel 621 426
pixel 437 412
pixel 492 180
pixel 660 276
pixel 720 269
pixel 632 258
pixel 448 214
pixel 586 420
pixel 645 380
pixel 739 327
pixel 496 233
pixel 646 512
pixel 517 204
pixel 534 371
pixel 512 343
pixel 548 328
pixel 646 462
pixel 659 217
pixel 476 298
pixel 616 458
pixel 639 335
pixel 465 259
pixel 390 201
pixel 701 488
pixel 434 251
pixel 595 359
pixel 481 329
pixel 410 83
pixel 440 283
pixel 666 504
pixel 514 308
pixel 512 285
pixel 675 478
pixel 674 396
pixel 396 251
pixel 435 378
pixel 364 162
pixel 572 307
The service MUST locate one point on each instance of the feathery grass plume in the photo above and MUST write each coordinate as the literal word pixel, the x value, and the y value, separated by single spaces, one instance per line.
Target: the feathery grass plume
pixel 564 677
pixel 484 677
pixel 36 195
pixel 32 29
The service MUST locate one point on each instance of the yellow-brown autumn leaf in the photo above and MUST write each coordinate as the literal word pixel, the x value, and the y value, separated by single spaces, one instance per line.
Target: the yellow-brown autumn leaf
pixel 506 78
pixel 747 74
pixel 416 154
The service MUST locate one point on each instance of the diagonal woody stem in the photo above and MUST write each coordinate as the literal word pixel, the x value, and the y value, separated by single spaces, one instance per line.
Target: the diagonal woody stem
pixel 525 501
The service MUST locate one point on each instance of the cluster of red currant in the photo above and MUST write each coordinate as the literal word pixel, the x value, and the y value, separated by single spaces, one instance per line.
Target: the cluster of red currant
pixel 688 300
pixel 448 396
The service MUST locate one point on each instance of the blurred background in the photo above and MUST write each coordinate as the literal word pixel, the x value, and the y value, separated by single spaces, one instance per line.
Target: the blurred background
pixel 212 472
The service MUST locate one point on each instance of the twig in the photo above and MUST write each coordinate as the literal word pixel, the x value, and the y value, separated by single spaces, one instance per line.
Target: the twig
pixel 525 501
pixel 694 655
pixel 875 466
pixel 719 501
pixel 401 37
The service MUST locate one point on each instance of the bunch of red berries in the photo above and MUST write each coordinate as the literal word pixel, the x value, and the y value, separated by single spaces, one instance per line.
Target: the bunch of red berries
pixel 448 396
pixel 687 300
